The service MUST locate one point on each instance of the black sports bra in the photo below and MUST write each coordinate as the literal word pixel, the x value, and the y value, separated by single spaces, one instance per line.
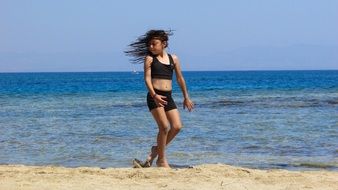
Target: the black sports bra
pixel 162 71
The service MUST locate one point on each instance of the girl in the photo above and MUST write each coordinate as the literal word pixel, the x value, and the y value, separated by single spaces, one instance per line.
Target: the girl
pixel 158 71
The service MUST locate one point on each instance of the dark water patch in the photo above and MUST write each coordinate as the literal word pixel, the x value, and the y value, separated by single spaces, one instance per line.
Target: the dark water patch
pixel 220 103
pixel 316 165
pixel 277 102
pixel 129 105
pixel 293 166
pixel 280 165
pixel 229 102
pixel 333 101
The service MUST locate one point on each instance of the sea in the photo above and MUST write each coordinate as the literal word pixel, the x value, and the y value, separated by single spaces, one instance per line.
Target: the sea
pixel 256 119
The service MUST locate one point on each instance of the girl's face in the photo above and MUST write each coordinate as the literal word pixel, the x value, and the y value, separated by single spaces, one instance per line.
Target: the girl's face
pixel 156 46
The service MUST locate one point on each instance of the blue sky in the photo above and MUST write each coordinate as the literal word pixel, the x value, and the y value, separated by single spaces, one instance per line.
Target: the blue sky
pixel 52 36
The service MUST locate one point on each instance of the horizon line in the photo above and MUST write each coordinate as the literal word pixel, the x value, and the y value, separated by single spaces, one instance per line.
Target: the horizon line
pixel 131 71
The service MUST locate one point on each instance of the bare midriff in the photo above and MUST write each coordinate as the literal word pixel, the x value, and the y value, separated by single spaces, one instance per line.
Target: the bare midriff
pixel 161 84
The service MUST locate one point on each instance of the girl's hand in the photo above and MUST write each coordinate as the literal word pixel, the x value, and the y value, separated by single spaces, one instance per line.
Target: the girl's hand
pixel 188 103
pixel 159 100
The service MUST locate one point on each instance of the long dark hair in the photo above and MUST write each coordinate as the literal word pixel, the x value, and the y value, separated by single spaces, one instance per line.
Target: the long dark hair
pixel 139 48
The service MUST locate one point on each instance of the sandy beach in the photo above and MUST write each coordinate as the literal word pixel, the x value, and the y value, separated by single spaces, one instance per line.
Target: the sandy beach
pixel 208 176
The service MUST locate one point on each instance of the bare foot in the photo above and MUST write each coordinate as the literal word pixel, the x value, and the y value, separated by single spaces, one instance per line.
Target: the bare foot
pixel 151 157
pixel 162 163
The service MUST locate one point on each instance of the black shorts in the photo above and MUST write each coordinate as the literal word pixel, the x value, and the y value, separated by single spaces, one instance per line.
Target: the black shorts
pixel 170 101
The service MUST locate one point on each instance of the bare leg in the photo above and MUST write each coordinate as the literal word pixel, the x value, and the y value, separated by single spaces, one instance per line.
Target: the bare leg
pixel 176 125
pixel 163 126
pixel 161 145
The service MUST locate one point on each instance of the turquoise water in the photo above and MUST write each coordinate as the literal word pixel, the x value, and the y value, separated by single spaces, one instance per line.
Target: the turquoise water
pixel 257 119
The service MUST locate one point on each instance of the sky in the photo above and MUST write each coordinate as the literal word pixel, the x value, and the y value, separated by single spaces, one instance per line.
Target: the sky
pixel 83 35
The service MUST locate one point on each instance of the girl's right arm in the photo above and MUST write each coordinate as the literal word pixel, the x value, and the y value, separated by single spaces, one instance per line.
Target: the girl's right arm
pixel 147 78
pixel 147 75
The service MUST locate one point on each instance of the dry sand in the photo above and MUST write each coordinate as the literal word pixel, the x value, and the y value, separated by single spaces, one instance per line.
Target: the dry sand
pixel 209 176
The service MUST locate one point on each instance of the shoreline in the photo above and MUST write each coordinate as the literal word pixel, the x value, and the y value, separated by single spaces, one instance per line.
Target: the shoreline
pixel 205 176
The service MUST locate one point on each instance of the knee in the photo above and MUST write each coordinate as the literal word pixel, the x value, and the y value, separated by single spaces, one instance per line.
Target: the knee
pixel 164 128
pixel 177 127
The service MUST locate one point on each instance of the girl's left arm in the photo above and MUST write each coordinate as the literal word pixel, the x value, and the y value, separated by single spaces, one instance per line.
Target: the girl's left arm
pixel 180 80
